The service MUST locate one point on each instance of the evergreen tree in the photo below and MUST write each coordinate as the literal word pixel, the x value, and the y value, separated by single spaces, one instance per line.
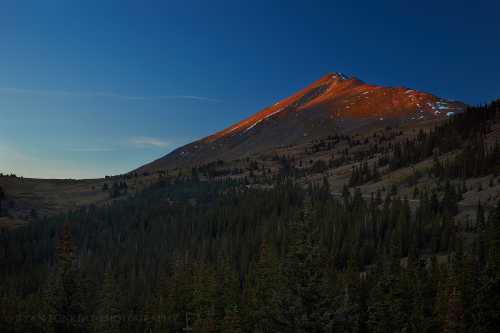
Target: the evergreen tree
pixel 64 293
pixel 304 302
pixel 107 314
pixel 454 322
pixel 175 299
pixel 347 316
pixel 261 301
pixel 204 298
pixel 227 290
pixel 487 300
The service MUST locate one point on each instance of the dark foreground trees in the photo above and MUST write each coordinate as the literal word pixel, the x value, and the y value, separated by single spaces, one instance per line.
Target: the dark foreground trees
pixel 293 265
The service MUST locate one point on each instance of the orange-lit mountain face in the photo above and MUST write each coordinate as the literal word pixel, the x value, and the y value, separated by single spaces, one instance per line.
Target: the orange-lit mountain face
pixel 335 103
pixel 350 98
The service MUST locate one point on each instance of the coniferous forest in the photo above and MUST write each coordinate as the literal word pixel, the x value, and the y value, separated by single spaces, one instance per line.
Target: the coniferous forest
pixel 194 255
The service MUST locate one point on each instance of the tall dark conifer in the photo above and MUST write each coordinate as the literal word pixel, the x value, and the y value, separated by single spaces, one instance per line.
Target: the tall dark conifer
pixel 487 301
pixel 107 312
pixel 64 293
pixel 304 300
pixel 262 292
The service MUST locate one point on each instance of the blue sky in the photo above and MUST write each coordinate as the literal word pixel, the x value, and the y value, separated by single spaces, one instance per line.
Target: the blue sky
pixel 92 88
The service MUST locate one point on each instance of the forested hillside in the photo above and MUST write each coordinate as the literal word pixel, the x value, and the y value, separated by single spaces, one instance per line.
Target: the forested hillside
pixel 274 251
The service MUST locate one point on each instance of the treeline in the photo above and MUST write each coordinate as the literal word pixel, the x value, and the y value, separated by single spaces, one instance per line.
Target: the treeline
pixel 117 189
pixel 215 257
pixel 465 132
pixel 475 160
pixel 463 136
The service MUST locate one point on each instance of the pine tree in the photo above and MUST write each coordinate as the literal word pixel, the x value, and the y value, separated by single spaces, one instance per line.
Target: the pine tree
pixel 347 314
pixel 304 301
pixel 487 300
pixel 451 302
pixel 204 298
pixel 175 304
pixel 262 307
pixel 493 263
pixel 380 318
pixel 227 290
pixel 325 189
pixel 64 293
pixel 107 314
pixel 420 317
pixel 454 322
pixel 389 304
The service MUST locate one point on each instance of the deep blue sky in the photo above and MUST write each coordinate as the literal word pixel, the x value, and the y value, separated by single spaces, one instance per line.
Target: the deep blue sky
pixel 89 88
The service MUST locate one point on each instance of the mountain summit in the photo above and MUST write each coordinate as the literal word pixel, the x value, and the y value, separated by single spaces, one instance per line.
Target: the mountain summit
pixel 335 103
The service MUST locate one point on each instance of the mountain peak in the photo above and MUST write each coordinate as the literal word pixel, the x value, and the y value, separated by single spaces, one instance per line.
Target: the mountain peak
pixel 334 103
pixel 338 76
pixel 332 77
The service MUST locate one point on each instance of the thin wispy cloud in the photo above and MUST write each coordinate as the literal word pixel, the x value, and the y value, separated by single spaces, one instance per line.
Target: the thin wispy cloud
pixel 90 149
pixel 198 98
pixel 145 142
pixel 100 94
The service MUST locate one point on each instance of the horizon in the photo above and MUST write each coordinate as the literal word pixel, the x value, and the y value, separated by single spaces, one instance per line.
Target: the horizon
pixel 94 89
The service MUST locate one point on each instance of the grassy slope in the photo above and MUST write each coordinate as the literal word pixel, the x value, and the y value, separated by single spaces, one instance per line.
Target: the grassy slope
pixel 50 197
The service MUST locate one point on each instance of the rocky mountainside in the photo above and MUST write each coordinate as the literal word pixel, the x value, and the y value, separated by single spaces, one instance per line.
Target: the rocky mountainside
pixel 335 103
